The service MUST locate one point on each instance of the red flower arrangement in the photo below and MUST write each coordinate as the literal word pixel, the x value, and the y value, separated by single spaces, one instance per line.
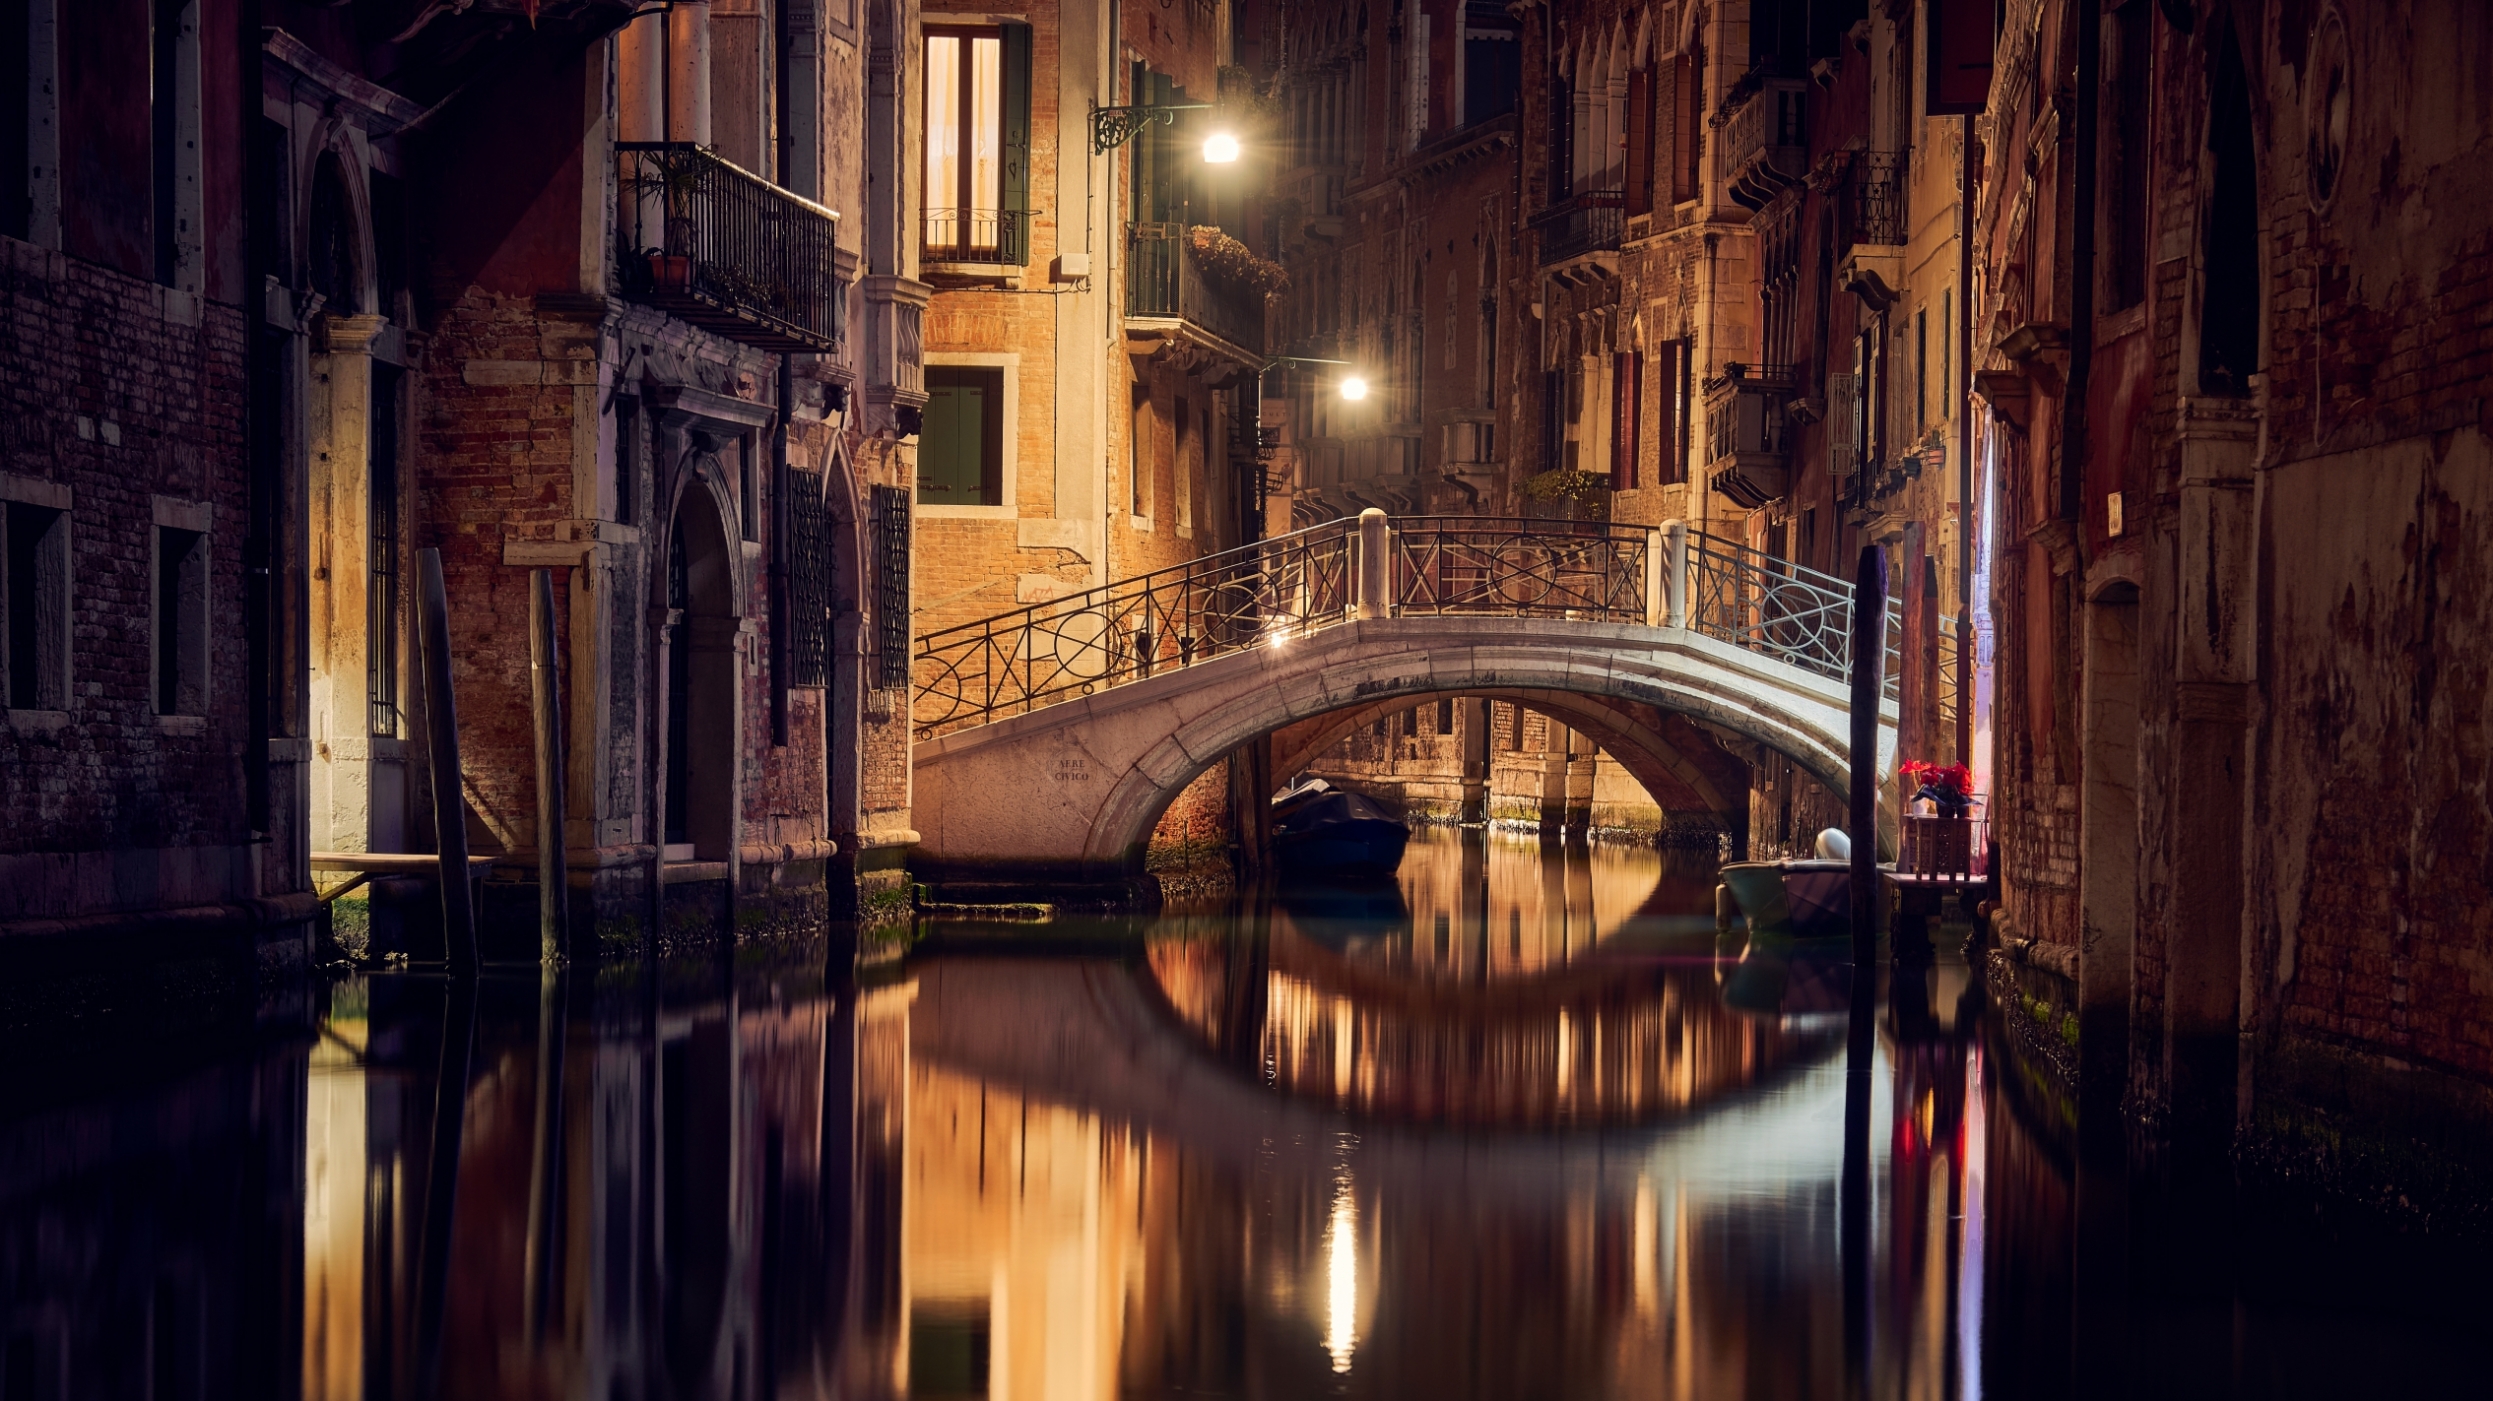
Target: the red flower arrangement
pixel 1949 786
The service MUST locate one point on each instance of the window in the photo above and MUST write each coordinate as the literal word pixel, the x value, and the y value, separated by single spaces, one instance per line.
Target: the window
pixel 748 489
pixel 2229 308
pixel 961 450
pixel 1182 469
pixel 1445 716
pixel 1666 413
pixel 1947 338
pixel 1138 456
pixel 1687 101
pixel 1640 141
pixel 181 621
pixel 1627 403
pixel 627 459
pixel 17 205
pixel 36 571
pixel 891 587
pixel 381 598
pixel 2129 49
pixel 1492 61
pixel 1921 368
pixel 978 144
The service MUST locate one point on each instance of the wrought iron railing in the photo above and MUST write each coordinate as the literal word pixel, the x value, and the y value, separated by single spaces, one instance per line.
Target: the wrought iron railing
pixel 725 249
pixel 1873 200
pixel 1165 278
pixel 1265 594
pixel 977 236
pixel 1782 610
pixel 1592 221
pixel 1591 571
pixel 1278 591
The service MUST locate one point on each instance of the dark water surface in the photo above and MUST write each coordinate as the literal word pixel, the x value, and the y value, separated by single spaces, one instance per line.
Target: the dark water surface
pixel 1524 1127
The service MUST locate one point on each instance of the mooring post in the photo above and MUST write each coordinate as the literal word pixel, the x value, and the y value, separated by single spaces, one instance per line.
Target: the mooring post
pixel 441 736
pixel 1675 573
pixel 1869 664
pixel 1376 566
pixel 545 687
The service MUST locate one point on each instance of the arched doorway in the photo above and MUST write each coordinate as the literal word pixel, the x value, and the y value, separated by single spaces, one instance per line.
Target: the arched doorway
pixel 701 681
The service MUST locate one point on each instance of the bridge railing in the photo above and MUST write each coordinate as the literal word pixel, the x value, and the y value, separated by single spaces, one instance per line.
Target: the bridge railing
pixel 1257 595
pixel 1271 592
pixel 1786 611
pixel 1589 570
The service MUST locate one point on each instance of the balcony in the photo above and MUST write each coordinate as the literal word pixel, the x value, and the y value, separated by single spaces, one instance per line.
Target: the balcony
pixel 710 242
pixel 981 237
pixel 1172 291
pixel 1766 142
pixel 1747 430
pixel 1871 230
pixel 1583 231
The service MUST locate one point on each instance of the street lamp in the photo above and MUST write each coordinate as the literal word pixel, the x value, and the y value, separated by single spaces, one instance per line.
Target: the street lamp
pixel 1220 149
pixel 1354 388
pixel 1112 127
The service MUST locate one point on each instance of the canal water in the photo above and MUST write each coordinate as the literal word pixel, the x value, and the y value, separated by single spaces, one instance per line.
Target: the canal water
pixel 1523 1124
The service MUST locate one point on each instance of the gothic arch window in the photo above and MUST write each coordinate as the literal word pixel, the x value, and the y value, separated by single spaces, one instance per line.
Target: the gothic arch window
pixel 2229 314
pixel 334 249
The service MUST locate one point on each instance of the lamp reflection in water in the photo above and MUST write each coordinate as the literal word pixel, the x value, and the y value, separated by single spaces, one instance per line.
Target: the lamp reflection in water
pixel 1341 1269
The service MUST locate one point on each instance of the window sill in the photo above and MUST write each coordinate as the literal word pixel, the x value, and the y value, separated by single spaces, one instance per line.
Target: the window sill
pixel 1003 274
pixel 182 724
pixel 38 721
pixel 1005 512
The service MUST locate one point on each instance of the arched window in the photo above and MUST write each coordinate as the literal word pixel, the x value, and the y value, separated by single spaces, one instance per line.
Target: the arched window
pixel 333 250
pixel 2229 312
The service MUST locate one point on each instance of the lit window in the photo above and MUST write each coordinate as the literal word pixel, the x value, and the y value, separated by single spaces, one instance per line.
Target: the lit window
pixel 978 144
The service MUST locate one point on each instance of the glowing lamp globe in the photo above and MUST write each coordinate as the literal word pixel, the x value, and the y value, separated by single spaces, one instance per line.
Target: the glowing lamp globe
pixel 1354 389
pixel 1221 149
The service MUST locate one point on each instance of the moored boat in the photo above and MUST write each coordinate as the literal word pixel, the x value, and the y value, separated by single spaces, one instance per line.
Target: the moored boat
pixel 1319 829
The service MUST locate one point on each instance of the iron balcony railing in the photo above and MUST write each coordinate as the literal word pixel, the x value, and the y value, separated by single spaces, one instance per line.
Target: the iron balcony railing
pixel 977 236
pixel 1165 279
pixel 1592 221
pixel 1872 204
pixel 706 240
pixel 1278 591
pixel 1766 141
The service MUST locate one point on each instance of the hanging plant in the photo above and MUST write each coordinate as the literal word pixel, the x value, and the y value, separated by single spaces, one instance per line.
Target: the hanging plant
pixel 1227 261
pixel 1566 484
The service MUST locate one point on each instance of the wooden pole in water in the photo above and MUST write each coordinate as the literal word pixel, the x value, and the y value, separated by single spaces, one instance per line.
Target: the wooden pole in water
pixel 545 686
pixel 441 733
pixel 1869 682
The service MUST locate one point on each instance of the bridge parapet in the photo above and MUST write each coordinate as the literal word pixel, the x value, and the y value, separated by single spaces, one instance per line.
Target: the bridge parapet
pixel 1274 592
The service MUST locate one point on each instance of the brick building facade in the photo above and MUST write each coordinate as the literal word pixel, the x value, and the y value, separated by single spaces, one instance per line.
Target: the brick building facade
pixel 2233 307
pixel 548 285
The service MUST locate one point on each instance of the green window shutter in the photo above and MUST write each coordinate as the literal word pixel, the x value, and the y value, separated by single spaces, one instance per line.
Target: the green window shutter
pixel 1013 239
pixel 961 446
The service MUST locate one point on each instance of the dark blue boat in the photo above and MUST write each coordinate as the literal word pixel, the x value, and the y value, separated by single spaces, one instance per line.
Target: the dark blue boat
pixel 1321 830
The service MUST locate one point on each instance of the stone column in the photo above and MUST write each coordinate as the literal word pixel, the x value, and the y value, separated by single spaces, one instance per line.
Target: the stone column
pixel 341 580
pixel 2214 666
pixel 688 72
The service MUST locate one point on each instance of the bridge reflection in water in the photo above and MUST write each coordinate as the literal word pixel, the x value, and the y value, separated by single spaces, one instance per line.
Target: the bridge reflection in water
pixel 1558 1144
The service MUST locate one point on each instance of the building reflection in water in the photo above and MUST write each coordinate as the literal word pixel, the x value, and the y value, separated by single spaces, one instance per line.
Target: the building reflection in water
pixel 1274 1154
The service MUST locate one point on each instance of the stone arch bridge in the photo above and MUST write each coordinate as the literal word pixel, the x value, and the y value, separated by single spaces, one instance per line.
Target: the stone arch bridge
pixel 1052 738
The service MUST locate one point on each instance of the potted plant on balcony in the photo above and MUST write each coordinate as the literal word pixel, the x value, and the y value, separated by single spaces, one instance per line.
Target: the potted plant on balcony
pixel 1567 493
pixel 1234 265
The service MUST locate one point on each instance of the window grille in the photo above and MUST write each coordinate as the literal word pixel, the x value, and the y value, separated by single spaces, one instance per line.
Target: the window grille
pixel 809 578
pixel 891 587
pixel 381 593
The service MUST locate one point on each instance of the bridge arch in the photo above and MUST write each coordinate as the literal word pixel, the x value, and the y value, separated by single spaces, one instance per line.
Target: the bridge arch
pixel 1069 794
pixel 1657 761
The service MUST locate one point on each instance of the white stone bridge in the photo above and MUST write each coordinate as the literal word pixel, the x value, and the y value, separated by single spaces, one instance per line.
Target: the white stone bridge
pixel 1052 738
